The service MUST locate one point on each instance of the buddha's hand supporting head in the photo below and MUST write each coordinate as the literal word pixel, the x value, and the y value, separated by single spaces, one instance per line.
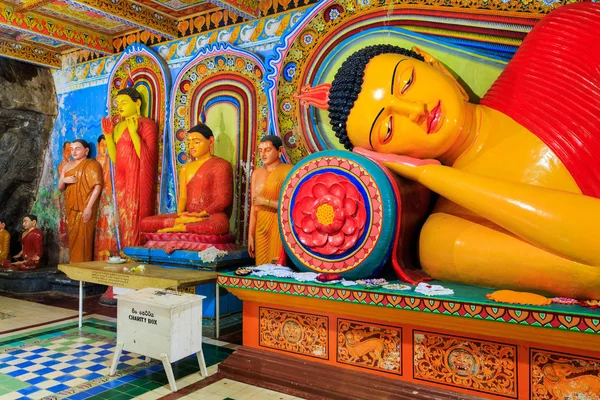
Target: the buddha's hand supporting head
pixel 129 103
pixel 394 100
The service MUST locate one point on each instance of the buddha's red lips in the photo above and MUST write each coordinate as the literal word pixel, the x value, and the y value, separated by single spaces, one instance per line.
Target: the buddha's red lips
pixel 434 117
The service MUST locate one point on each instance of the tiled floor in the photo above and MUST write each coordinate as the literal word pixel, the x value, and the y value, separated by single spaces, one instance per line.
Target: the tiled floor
pixel 15 314
pixel 59 361
pixel 226 389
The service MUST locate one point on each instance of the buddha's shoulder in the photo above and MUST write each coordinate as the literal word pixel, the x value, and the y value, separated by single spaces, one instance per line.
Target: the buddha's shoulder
pixel 220 164
pixel 220 161
pixel 285 167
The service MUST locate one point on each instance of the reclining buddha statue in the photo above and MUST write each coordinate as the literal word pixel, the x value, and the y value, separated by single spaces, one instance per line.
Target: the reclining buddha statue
pixel 204 205
pixel 518 174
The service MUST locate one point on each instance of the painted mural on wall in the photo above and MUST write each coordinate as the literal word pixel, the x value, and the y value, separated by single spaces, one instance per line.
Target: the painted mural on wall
pixel 482 366
pixel 294 332
pixel 370 346
pixel 78 118
pixel 560 376
pixel 223 87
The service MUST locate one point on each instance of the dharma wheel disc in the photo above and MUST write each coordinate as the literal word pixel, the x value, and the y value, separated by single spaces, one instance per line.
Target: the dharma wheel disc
pixel 338 215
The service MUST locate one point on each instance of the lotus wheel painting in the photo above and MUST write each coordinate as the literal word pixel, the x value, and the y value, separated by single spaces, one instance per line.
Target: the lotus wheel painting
pixel 338 215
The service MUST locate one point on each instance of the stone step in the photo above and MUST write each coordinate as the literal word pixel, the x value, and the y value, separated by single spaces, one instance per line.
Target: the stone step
pixel 62 284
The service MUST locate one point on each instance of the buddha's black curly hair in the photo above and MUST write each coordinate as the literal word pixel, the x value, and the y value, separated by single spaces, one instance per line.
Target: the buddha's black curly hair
pixel 347 84
pixel 202 129
pixel 132 93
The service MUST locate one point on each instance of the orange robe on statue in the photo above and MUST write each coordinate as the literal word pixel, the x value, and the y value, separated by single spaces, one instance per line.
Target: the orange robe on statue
pixel 135 180
pixel 104 241
pixel 77 196
pixel 4 245
pixel 210 190
pixel 267 242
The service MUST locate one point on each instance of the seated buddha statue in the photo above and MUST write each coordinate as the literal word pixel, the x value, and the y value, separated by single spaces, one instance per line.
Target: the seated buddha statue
pixel 32 240
pixel 205 193
pixel 518 174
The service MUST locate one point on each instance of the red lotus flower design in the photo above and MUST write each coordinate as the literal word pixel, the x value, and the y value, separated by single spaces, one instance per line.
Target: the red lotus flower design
pixel 329 214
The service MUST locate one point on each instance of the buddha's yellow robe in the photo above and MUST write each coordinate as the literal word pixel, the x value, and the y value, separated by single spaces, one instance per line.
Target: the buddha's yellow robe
pixel 4 245
pixel 267 242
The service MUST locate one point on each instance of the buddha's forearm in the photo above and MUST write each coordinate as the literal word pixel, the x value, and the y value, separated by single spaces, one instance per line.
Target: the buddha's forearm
pixel 112 148
pixel 564 223
pixel 135 139
pixel 252 223
pixel 95 194
pixel 181 206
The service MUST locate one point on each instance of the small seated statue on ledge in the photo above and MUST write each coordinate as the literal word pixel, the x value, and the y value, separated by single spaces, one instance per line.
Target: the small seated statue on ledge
pixel 205 194
pixel 33 247
pixel 4 241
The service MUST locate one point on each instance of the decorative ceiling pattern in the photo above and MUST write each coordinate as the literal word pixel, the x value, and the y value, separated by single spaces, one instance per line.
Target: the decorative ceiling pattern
pixel 47 32
pixel 62 10
pixel 43 31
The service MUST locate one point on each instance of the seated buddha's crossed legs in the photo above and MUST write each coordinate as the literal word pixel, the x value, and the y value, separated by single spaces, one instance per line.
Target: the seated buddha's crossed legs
pixel 181 223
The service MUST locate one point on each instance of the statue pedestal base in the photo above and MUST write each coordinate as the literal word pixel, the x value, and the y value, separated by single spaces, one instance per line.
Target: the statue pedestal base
pixel 236 257
pixel 108 298
pixel 37 280
pixel 276 371
pixel 462 343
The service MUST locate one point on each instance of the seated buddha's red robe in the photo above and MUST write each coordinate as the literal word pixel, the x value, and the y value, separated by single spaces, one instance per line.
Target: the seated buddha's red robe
pixel 210 190
pixel 33 249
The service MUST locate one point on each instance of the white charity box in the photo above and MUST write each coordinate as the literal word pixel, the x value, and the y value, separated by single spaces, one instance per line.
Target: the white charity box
pixel 161 324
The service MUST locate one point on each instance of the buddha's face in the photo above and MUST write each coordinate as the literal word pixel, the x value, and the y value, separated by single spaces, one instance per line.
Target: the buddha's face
pixel 127 107
pixel 78 152
pixel 268 153
pixel 406 107
pixel 28 223
pixel 198 145
pixel 102 147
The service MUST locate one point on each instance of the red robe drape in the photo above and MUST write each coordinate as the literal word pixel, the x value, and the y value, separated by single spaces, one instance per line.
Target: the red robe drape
pixel 552 87
pixel 210 190
pixel 135 180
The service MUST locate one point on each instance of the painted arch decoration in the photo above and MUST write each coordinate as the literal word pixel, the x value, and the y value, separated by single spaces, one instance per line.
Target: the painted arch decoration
pixel 142 68
pixel 222 86
pixel 312 53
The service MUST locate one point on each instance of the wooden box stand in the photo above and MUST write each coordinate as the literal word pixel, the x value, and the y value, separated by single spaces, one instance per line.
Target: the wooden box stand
pixel 160 324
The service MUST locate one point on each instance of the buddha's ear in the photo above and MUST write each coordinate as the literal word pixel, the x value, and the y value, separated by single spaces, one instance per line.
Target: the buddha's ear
pixel 431 60
pixel 211 145
pixel 138 106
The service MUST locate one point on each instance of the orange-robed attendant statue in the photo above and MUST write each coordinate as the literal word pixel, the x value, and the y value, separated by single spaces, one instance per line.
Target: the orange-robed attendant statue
pixel 133 149
pixel 104 239
pixel 4 241
pixel 518 175
pixel 32 241
pixel 264 242
pixel 205 191
pixel 82 182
